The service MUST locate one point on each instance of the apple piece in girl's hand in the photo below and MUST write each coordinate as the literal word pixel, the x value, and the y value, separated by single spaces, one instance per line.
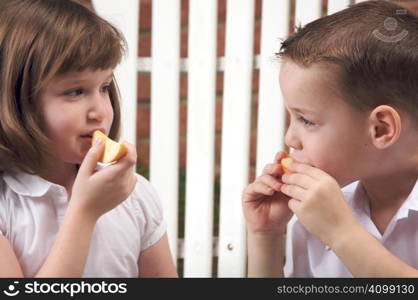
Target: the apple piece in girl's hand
pixel 113 151
pixel 285 162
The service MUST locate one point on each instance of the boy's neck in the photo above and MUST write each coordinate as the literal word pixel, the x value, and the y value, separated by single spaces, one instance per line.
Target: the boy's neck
pixel 387 194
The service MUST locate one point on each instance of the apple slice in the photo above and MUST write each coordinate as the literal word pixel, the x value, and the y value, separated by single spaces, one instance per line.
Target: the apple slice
pixel 285 164
pixel 113 151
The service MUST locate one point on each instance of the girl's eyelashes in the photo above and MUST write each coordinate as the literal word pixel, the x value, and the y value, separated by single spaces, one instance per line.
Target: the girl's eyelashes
pixel 74 92
pixel 79 91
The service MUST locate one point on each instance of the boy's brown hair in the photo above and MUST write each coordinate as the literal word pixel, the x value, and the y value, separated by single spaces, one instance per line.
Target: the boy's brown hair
pixel 375 46
pixel 40 39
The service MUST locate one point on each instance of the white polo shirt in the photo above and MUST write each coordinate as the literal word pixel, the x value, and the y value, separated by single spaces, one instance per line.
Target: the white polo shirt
pixel 31 210
pixel 311 258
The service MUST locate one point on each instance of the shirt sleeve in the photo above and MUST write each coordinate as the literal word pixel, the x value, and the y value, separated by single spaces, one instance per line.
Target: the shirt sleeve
pixel 150 213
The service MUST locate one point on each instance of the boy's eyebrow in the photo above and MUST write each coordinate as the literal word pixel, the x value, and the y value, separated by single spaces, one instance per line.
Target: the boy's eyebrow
pixel 301 110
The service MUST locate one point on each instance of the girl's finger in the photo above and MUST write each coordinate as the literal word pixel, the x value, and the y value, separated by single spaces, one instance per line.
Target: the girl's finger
pixel 89 162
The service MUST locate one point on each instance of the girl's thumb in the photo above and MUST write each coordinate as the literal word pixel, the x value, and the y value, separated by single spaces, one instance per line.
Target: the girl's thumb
pixel 89 162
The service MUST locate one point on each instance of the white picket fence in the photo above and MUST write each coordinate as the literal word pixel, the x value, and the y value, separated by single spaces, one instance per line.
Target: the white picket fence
pixel 202 64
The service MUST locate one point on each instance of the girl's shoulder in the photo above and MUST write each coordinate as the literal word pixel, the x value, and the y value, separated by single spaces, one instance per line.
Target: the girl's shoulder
pixel 144 198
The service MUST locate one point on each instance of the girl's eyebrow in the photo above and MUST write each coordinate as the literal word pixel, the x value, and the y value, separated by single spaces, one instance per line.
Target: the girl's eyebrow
pixel 80 80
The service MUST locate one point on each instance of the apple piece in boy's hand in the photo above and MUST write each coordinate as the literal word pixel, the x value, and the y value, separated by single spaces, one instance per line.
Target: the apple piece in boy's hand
pixel 113 151
pixel 285 162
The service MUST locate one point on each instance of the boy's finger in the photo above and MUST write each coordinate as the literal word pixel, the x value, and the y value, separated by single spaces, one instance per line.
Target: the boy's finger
pixel 302 180
pixel 294 191
pixel 294 206
pixel 272 169
pixel 313 172
pixel 89 162
pixel 279 156
pixel 256 190
pixel 270 181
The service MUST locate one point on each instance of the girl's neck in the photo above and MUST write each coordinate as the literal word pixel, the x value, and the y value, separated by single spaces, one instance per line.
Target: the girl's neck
pixel 61 174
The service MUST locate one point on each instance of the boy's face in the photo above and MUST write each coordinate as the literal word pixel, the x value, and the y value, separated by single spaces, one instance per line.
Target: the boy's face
pixel 324 131
pixel 73 106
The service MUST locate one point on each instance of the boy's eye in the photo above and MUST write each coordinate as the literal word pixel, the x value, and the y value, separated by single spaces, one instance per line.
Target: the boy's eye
pixel 106 88
pixel 305 121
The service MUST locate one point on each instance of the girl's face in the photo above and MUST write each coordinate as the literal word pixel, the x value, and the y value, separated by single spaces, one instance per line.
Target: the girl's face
pixel 73 106
pixel 324 130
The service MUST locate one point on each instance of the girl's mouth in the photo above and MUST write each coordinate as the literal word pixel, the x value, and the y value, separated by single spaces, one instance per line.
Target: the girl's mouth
pixel 87 138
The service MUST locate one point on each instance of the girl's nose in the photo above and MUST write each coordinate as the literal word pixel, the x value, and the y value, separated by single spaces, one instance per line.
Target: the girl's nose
pixel 99 107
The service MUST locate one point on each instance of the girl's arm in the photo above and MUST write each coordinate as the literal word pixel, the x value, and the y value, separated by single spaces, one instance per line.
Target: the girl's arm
pixel 156 261
pixel 9 264
pixel 94 193
pixel 68 255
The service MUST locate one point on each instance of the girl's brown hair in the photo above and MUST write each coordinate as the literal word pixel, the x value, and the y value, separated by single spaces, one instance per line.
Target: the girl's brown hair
pixel 40 39
pixel 375 46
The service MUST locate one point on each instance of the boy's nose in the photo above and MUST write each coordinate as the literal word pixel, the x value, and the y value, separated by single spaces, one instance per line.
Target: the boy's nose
pixel 291 139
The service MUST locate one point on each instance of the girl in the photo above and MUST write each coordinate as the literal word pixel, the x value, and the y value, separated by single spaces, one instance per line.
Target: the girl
pixel 58 216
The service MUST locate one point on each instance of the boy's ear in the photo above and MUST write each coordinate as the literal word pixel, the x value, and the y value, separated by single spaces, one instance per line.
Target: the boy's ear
pixel 385 126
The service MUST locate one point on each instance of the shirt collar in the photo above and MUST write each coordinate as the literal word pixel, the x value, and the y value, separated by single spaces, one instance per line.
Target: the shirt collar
pixel 357 196
pixel 27 185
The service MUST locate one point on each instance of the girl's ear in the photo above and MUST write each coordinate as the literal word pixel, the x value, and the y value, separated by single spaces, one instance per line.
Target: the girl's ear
pixel 385 126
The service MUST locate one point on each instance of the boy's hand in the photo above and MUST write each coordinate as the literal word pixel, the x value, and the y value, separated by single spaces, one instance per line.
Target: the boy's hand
pixel 317 201
pixel 265 206
pixel 96 192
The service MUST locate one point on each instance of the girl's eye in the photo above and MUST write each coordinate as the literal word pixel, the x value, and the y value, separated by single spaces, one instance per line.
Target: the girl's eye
pixel 305 122
pixel 74 92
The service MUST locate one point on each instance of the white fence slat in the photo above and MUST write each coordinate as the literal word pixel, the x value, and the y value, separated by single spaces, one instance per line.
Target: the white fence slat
pixel 271 113
pixel 235 136
pixel 307 11
pixel 125 16
pixel 337 5
pixel 164 151
pixel 200 138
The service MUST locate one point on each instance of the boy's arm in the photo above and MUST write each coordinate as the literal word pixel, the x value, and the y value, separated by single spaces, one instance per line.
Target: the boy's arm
pixel 318 203
pixel 156 261
pixel 365 256
pixel 265 255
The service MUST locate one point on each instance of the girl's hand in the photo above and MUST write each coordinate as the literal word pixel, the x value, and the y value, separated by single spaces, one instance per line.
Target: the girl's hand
pixel 265 206
pixel 97 192
pixel 317 201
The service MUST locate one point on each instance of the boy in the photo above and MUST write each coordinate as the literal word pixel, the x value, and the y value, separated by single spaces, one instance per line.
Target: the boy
pixel 350 84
